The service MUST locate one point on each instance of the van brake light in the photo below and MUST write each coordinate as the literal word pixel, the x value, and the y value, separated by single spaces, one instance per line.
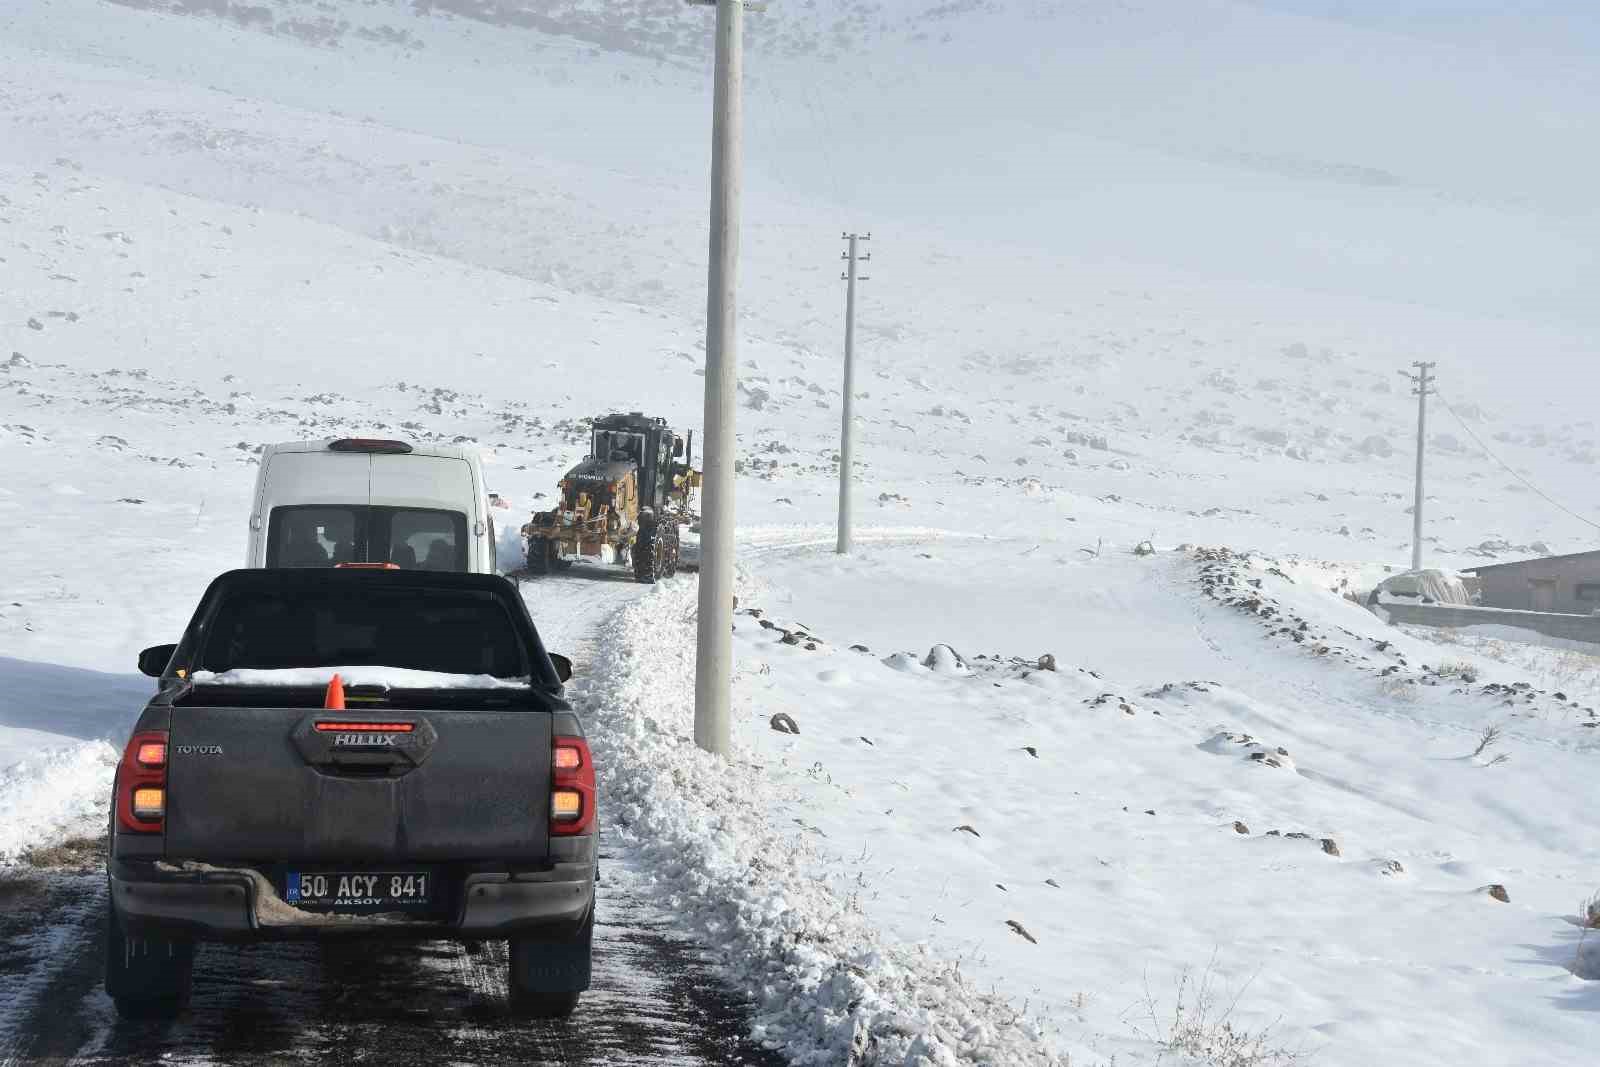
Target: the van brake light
pixel 369 444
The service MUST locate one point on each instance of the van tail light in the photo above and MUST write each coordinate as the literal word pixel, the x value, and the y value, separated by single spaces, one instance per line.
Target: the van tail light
pixel 572 791
pixel 142 783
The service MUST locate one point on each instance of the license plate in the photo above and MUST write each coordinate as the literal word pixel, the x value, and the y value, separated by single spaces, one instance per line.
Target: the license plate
pixel 359 890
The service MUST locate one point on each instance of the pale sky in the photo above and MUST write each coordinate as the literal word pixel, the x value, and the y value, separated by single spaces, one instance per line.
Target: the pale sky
pixel 1553 22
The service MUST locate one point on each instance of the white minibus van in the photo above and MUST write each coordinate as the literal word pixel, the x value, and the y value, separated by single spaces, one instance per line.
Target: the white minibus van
pixel 363 500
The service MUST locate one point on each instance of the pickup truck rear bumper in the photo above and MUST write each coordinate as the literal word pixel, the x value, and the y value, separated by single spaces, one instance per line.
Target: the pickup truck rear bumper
pixel 217 903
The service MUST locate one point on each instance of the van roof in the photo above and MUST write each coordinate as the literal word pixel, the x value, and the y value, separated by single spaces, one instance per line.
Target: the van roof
pixel 437 451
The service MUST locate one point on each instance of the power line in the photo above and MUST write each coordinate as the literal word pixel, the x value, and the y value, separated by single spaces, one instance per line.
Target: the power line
pixel 1546 497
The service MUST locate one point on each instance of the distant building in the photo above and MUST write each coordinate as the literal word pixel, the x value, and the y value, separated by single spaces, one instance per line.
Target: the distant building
pixel 1569 585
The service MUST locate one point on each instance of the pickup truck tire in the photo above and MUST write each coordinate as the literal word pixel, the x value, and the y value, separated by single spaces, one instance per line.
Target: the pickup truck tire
pixel 547 974
pixel 147 977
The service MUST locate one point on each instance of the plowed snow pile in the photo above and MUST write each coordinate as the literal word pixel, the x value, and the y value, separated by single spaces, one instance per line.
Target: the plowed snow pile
pixel 784 913
pixel 56 793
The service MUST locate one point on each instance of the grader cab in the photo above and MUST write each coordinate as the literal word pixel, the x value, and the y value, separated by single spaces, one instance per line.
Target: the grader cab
pixel 623 504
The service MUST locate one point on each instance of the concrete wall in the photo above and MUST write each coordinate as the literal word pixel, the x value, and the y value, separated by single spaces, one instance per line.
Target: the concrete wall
pixel 1513 587
pixel 1567 627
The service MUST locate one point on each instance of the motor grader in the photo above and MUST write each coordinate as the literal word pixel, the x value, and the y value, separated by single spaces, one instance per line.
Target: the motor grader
pixel 623 504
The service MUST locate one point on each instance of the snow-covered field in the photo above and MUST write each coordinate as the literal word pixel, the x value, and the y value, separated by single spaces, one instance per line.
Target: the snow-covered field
pixel 1178 322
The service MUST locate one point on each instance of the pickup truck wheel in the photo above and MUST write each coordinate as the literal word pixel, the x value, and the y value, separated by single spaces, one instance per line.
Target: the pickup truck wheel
pixel 147 977
pixel 544 1005
pixel 548 973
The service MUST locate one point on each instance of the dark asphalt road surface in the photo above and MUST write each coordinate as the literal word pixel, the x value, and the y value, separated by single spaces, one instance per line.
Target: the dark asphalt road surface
pixel 654 999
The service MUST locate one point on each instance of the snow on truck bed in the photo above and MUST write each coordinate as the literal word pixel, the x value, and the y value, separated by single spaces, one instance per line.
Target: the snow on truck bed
pixel 386 677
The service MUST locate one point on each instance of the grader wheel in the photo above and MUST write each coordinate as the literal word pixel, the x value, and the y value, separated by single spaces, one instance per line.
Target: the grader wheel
pixel 544 556
pixel 649 555
pixel 672 550
pixel 538 555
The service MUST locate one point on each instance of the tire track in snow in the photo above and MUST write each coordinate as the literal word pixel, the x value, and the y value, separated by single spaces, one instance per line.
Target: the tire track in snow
pixel 48 923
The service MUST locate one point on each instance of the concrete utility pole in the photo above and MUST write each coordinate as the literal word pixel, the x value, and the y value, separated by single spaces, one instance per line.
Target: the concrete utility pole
pixel 713 672
pixel 847 431
pixel 1421 382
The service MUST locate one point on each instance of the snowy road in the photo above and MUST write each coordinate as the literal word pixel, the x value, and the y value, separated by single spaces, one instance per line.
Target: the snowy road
pixel 653 1002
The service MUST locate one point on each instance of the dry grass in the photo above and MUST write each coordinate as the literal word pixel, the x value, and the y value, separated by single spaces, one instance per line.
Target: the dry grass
pixel 1488 739
pixel 1586 966
pixel 1451 668
pixel 1396 687
pixel 1201 1030
pixel 1573 669
pixel 80 855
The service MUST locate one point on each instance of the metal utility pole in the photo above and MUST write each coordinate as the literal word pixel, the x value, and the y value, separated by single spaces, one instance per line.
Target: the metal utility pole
pixel 713 671
pixel 1421 383
pixel 847 431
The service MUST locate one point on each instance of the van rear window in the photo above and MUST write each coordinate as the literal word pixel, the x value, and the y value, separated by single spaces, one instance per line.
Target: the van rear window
pixel 321 535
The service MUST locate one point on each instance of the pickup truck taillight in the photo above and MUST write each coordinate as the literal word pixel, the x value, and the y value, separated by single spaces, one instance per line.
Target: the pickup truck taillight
pixel 571 787
pixel 142 783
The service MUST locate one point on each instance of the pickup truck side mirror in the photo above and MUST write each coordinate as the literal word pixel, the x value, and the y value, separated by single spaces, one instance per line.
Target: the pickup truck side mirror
pixel 563 666
pixel 154 660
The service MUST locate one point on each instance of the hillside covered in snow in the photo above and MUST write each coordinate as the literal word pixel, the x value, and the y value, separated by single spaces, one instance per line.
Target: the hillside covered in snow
pixel 1143 271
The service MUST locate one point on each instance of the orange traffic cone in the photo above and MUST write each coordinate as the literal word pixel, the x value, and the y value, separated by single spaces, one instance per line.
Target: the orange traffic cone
pixel 335 698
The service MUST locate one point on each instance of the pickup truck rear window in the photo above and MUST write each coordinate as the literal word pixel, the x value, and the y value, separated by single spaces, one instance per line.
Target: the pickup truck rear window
pixel 323 535
pixel 454 631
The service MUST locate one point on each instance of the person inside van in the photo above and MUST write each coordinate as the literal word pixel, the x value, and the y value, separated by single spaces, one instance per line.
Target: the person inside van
pixel 301 548
pixel 440 557
pixel 344 551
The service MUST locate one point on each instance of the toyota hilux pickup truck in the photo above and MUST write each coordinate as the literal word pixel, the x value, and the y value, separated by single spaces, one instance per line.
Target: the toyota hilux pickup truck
pixel 440 788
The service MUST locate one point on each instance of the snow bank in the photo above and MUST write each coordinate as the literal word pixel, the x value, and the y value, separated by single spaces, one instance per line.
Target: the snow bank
pixel 59 793
pixel 388 677
pixel 828 987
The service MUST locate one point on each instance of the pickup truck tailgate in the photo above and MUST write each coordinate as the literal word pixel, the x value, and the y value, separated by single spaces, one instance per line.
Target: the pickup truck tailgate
pixel 309 785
